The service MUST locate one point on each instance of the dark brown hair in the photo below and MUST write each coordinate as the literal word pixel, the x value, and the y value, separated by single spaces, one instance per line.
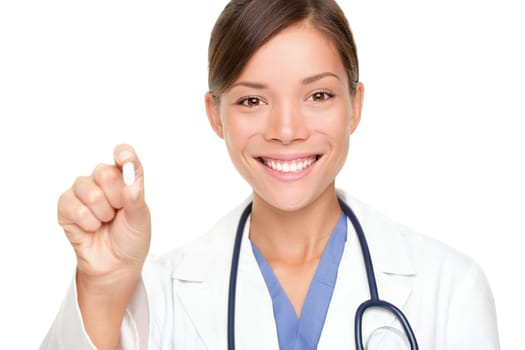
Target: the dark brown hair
pixel 246 25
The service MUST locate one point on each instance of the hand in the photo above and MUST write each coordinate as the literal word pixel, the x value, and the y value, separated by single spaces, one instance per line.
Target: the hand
pixel 107 222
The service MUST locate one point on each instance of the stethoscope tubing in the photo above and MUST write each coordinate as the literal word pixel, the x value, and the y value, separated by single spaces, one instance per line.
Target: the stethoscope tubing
pixel 233 275
pixel 374 300
pixel 371 277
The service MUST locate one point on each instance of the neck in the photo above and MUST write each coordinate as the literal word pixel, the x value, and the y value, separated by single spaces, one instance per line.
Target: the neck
pixel 295 236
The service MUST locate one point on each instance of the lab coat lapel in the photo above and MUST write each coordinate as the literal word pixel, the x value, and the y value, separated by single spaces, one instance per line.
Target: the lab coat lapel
pixel 255 323
pixel 201 278
pixel 203 294
pixel 393 271
pixel 349 292
pixel 201 283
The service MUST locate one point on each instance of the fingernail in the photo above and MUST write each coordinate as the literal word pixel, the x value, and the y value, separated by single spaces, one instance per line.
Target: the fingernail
pixel 128 173
pixel 124 156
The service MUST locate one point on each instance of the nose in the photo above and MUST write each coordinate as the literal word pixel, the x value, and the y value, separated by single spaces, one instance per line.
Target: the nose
pixel 286 123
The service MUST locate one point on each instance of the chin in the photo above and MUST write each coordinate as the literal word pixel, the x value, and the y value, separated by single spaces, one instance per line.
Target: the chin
pixel 289 199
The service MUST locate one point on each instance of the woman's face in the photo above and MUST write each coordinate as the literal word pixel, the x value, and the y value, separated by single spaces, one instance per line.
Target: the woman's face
pixel 287 119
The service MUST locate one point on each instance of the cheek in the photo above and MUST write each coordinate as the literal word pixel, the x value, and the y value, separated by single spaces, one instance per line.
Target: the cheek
pixel 231 129
pixel 334 123
pixel 238 130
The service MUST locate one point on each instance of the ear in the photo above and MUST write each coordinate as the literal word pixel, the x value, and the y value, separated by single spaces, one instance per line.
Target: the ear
pixel 214 114
pixel 357 106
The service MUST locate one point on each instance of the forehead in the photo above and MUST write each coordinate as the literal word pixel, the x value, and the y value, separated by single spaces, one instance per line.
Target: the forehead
pixel 298 51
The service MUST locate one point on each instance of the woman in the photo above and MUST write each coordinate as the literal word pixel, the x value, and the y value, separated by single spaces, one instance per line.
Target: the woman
pixel 285 97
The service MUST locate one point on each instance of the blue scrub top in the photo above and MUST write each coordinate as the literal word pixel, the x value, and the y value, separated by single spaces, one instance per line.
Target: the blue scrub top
pixel 304 333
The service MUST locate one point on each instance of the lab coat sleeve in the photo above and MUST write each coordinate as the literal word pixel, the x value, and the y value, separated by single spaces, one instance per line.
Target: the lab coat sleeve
pixel 68 332
pixel 472 316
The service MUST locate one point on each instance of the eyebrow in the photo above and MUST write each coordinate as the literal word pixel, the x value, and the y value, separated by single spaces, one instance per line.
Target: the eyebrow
pixel 251 84
pixel 319 76
pixel 305 81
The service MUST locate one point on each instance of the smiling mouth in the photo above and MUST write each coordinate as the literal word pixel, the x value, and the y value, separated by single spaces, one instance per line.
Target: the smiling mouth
pixel 289 166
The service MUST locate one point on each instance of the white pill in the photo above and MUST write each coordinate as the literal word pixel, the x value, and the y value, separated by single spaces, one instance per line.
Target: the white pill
pixel 128 173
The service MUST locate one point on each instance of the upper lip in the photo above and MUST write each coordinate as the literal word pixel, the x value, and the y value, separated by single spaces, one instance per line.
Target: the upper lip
pixel 288 157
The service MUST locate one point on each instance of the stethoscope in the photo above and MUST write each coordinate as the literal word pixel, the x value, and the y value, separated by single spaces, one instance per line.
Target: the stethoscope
pixel 373 302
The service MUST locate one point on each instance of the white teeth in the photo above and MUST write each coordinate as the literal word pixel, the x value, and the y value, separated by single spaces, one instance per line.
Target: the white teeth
pixel 292 166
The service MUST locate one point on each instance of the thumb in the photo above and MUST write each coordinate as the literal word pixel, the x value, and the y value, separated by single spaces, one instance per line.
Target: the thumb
pixel 133 200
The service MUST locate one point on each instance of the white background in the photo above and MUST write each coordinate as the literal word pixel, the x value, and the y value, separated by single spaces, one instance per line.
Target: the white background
pixel 440 146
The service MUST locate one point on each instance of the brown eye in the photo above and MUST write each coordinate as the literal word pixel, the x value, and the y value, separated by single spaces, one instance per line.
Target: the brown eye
pixel 251 102
pixel 320 96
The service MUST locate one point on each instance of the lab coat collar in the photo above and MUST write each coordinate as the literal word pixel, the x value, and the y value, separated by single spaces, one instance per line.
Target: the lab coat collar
pixel 388 248
pixel 201 277
pixel 200 260
pixel 385 239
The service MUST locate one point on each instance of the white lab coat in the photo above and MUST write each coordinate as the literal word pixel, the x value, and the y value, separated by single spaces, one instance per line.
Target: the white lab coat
pixel 181 302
